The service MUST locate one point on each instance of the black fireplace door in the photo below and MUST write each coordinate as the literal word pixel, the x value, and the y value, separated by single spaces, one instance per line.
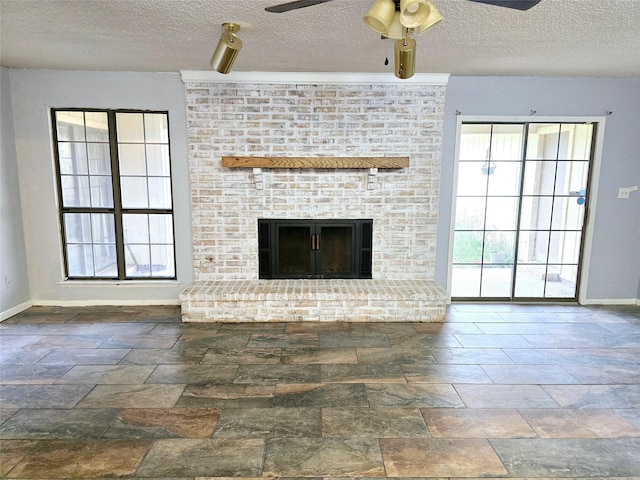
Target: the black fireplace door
pixel 315 248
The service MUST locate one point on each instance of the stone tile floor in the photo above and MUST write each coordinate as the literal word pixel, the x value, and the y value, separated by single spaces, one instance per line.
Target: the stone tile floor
pixel 496 391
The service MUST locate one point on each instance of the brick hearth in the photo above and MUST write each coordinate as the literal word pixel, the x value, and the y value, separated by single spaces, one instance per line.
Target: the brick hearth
pixel 314 300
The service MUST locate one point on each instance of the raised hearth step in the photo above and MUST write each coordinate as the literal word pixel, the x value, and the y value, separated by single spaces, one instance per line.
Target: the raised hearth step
pixel 314 300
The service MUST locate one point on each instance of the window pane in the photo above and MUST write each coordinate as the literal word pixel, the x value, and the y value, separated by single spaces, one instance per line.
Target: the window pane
pixel 136 228
pixel 539 177
pixel 101 191
pixel 97 126
pixel 156 129
pixel 80 260
pixel 580 144
pixel 134 192
pixel 499 247
pixel 104 258
pixel 162 261
pixel 73 158
pixel 465 281
pixel 530 281
pixel 130 127
pixel 567 214
pixel 536 213
pixel 561 281
pixel 501 213
pixel 471 180
pixel 467 247
pixel 161 228
pixel 506 142
pixel 75 191
pixel 131 158
pixel 102 228
pixel 564 247
pixel 496 281
pixel 138 260
pixel 505 179
pixel 158 160
pixel 572 178
pixel 533 246
pixel 470 213
pixel 542 142
pixel 70 126
pixel 77 227
pixel 159 192
pixel 99 159
pixel 475 142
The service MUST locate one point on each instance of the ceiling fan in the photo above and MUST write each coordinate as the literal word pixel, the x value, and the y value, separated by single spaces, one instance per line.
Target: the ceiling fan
pixel 400 19
pixel 516 4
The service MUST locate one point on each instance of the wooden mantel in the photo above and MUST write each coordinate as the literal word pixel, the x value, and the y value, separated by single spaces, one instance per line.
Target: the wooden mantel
pixel 315 162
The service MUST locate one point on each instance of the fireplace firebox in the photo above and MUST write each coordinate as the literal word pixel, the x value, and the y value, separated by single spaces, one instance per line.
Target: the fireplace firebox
pixel 315 249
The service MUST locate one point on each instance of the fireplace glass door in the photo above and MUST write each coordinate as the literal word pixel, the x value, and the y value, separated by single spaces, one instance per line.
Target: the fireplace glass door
pixel 315 248
pixel 294 255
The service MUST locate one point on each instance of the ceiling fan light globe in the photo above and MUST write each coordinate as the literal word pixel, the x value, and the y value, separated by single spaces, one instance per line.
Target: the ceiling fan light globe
pixel 396 30
pixel 433 18
pixel 380 15
pixel 413 12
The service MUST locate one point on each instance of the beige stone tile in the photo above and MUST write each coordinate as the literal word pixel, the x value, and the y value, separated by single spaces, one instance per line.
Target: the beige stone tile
pixel 198 457
pixel 437 457
pixel 372 423
pixel 81 459
pixel 132 396
pixel 106 374
pixel 476 423
pixel 164 422
pixel 579 423
pixel 12 451
pixel 323 457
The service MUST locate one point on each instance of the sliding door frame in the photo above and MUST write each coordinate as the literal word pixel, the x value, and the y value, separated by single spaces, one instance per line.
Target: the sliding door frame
pixel 592 188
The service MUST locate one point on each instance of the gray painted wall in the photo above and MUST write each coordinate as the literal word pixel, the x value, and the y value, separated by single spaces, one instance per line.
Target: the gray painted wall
pixel 614 271
pixel 34 92
pixel 14 277
pixel 615 257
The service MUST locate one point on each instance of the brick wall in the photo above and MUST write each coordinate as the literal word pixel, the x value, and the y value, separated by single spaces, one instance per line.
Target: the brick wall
pixel 315 121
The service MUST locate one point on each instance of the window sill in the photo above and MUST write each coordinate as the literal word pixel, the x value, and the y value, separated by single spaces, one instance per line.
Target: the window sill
pixel 120 283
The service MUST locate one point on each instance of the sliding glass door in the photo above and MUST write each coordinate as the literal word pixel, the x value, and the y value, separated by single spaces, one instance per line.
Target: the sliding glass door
pixel 520 210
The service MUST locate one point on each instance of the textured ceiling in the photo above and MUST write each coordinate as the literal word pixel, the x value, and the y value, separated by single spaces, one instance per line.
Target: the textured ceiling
pixel 555 38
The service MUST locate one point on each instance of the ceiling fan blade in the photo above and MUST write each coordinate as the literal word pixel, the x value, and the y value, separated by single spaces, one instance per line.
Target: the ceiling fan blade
pixel 517 4
pixel 285 7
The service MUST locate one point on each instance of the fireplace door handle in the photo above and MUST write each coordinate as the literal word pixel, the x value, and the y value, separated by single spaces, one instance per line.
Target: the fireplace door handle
pixel 315 242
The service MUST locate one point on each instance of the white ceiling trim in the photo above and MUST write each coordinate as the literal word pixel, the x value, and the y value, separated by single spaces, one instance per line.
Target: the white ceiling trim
pixel 209 76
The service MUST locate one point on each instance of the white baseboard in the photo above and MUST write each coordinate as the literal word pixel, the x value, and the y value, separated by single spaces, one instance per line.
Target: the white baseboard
pixel 15 310
pixel 96 303
pixel 610 301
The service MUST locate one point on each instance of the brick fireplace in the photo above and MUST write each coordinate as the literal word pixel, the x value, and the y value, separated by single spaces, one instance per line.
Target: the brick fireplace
pixel 333 121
